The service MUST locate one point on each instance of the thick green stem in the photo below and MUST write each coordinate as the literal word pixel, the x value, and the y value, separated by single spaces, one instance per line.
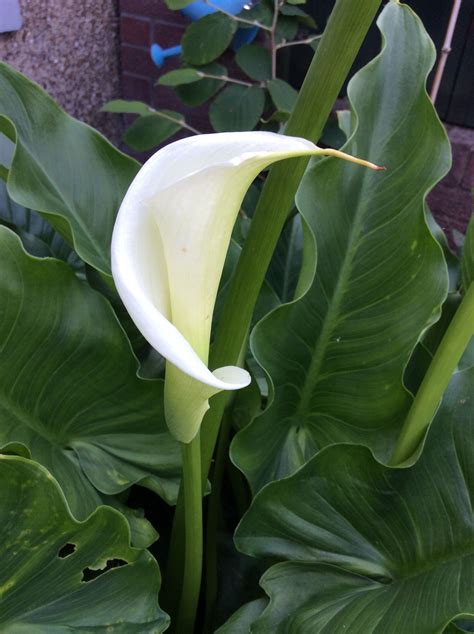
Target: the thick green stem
pixel 342 38
pixel 436 380
pixel 173 574
pixel 192 495
pixel 212 524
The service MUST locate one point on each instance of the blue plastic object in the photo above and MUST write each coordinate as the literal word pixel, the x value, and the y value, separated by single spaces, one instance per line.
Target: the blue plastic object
pixel 10 16
pixel 196 11
pixel 199 9
pixel 244 36
pixel 158 54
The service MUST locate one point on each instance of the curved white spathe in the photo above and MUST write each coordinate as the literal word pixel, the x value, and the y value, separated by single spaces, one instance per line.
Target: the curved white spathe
pixel 171 237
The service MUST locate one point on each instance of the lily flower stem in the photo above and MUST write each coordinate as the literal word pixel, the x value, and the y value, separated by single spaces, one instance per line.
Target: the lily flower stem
pixel 171 587
pixel 193 537
pixel 349 23
pixel 212 524
pixel 436 379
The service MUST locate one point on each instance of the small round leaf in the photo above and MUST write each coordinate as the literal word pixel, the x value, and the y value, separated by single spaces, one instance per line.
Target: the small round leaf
pixel 283 95
pixel 255 61
pixel 146 133
pixel 123 106
pixel 199 92
pixel 207 38
pixel 237 108
pixel 180 77
pixel 287 28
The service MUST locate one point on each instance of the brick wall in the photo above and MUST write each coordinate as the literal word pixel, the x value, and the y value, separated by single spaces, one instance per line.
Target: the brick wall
pixel 143 22
pixel 451 200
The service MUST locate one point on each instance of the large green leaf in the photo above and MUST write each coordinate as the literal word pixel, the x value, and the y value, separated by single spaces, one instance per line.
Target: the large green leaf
pixel 63 168
pixel 59 575
pixel 68 385
pixel 336 357
pixel 369 548
pixel 240 622
pixel 38 236
pixel 285 267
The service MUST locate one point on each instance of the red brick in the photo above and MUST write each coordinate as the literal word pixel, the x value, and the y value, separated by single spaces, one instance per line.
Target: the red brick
pixel 136 88
pixel 166 98
pixel 137 61
pixel 460 158
pixel 468 180
pixel 451 207
pixel 464 136
pixel 135 31
pixel 167 36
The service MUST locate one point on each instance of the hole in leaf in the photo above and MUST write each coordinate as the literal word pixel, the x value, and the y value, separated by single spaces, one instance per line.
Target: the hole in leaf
pixel 88 574
pixel 66 550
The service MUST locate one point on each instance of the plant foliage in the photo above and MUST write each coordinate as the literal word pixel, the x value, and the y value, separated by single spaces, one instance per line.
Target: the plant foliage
pixel 362 301
pixel 245 90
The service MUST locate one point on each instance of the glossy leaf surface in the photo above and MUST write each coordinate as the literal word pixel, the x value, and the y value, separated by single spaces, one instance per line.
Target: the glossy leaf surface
pixel 68 385
pixel 59 575
pixel 63 168
pixel 337 356
pixel 369 548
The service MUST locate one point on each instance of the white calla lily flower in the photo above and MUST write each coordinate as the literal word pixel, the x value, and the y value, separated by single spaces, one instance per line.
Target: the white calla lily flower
pixel 168 249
